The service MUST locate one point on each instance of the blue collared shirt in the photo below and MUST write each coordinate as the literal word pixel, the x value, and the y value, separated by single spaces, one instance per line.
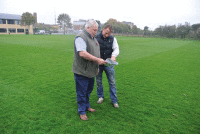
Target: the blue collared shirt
pixel 80 44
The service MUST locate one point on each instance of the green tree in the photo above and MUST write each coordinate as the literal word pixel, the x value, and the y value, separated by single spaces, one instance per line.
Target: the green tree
pixel 169 31
pixel 198 33
pixel 134 29
pixel 183 30
pixel 118 27
pixel 196 30
pixel 140 31
pixel 64 21
pixel 172 31
pixel 146 30
pixel 158 31
pixel 127 28
pixel 27 19
pixel 111 22
pixel 195 26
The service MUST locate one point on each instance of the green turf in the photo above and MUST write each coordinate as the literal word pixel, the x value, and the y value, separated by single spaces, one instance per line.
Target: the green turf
pixel 157 87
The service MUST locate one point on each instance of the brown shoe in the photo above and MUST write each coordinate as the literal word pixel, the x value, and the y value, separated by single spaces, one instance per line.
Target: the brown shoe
pixel 83 117
pixel 92 110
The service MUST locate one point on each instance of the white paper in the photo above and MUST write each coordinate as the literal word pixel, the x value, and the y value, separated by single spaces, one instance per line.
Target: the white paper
pixel 111 62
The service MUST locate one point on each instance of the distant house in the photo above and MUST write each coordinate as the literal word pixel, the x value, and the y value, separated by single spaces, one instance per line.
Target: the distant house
pixel 129 23
pixel 10 24
pixel 79 25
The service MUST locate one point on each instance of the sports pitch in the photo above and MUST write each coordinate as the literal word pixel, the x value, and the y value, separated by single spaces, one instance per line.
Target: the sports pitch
pixel 157 86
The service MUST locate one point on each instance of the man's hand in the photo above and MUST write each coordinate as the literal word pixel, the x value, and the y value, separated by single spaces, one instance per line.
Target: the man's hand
pixel 101 61
pixel 113 58
pixel 90 57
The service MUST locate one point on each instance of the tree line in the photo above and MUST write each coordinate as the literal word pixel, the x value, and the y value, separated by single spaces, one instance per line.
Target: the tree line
pixel 167 31
pixel 120 27
pixel 182 31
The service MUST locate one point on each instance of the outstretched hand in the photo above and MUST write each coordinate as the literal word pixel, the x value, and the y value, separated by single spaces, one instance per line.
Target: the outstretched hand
pixel 101 61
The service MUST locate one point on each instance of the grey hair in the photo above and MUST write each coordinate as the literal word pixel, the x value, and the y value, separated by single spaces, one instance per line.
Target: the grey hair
pixel 90 23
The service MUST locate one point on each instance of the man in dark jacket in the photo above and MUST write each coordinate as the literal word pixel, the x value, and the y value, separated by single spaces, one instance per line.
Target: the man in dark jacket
pixel 109 48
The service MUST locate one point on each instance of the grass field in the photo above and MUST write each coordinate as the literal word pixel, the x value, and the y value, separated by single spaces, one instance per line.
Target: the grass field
pixel 157 86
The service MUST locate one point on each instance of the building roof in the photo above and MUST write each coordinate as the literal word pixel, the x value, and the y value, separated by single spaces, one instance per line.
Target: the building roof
pixel 10 16
pixel 130 23
pixel 78 23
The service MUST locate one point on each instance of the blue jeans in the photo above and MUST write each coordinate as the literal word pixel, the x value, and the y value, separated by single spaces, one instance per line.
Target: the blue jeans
pixel 110 73
pixel 84 87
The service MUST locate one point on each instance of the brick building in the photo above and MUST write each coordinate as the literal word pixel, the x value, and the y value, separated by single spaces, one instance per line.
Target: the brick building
pixel 79 25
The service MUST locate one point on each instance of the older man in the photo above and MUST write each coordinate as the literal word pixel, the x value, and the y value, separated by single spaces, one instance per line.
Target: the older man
pixel 108 49
pixel 86 65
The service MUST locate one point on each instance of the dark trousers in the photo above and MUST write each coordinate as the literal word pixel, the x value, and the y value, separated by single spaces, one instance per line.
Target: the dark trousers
pixel 84 87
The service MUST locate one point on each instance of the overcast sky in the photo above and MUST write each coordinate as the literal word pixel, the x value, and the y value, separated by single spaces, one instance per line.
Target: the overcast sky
pixel 151 13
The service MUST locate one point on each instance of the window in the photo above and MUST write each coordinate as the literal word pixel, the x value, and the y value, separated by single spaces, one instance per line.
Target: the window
pixel 20 30
pixel 27 31
pixel 12 30
pixel 18 22
pixel 2 21
pixel 3 30
pixel 11 21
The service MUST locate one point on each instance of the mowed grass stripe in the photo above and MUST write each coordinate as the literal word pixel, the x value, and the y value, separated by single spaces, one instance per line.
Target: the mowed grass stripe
pixel 157 86
pixel 136 48
pixel 165 86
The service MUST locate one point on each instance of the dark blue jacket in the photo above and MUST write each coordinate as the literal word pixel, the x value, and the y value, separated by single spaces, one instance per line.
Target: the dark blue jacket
pixel 105 45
